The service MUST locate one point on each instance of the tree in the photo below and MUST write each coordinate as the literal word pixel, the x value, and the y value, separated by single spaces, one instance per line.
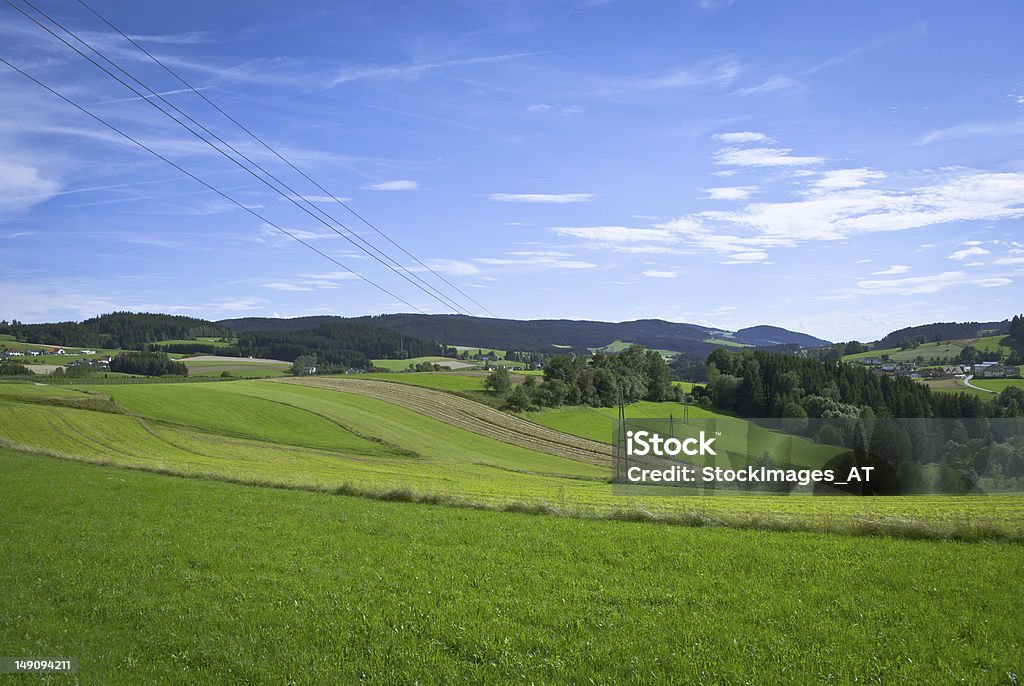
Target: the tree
pixel 499 381
pixel 304 365
pixel 519 399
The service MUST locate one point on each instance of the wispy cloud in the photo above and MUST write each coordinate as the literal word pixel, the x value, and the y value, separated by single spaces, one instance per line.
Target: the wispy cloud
pixel 739 137
pixel 933 283
pixel 968 252
pixel 658 274
pixel 762 157
pixel 847 178
pixel 23 186
pixel 561 110
pixel 773 84
pixel 412 70
pixel 893 270
pixel 282 286
pixel 543 198
pixel 397 185
pixel 535 262
pixel 975 129
pixel 616 234
pixel 730 192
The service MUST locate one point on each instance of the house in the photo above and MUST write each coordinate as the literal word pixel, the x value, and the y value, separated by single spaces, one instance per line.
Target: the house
pixel 87 352
pixel 58 351
pixel 870 360
pixel 995 371
pixel 14 353
pixel 985 368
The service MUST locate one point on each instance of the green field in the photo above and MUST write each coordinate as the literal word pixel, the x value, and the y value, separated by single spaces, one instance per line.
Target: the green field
pixel 473 350
pixel 215 341
pixel 153 579
pixel 938 350
pixel 236 366
pixel 998 384
pixel 442 381
pixel 619 346
pixel 993 344
pixel 928 351
pixel 953 386
pixel 430 445
pixel 401 365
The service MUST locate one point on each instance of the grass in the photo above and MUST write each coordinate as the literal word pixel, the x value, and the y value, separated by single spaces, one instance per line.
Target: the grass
pixel 442 381
pixel 215 341
pixel 619 346
pixel 154 579
pixel 954 386
pixel 473 350
pixel 999 343
pixel 928 351
pixel 298 436
pixel 400 365
pixel 998 384
pixel 240 367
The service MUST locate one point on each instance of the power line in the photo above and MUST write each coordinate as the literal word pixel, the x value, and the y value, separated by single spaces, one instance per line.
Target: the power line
pixel 204 183
pixel 281 157
pixel 436 295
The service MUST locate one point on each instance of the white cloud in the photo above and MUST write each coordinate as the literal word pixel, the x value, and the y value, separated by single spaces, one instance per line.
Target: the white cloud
pixel 656 274
pixel 842 213
pixel 543 198
pixel 967 252
pixel 918 285
pixel 762 157
pixel 988 128
pixel 774 84
pixel 616 234
pixel 563 110
pixel 895 269
pixel 281 286
pixel 738 137
pixel 746 257
pixel 397 185
pixel 535 262
pixel 729 192
pixel 847 178
pixel 1009 260
pixel 715 73
pixel 414 69
pixel 22 186
pixel 452 267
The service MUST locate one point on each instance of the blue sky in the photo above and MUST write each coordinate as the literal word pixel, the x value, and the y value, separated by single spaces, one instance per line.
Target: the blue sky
pixel 842 169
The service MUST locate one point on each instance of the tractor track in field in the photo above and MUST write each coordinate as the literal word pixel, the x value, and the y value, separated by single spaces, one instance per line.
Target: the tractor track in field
pixel 471 416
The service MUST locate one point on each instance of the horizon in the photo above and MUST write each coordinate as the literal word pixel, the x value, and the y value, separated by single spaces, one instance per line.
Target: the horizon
pixel 711 162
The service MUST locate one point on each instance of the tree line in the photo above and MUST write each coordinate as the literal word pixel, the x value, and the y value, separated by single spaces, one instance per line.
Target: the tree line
pixel 599 381
pixel 338 345
pixel 124 330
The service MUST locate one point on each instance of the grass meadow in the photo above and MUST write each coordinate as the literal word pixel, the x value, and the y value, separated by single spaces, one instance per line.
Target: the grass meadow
pixel 299 436
pixel 154 579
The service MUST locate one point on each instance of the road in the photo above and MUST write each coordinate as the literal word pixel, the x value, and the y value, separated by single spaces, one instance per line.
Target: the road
pixel 967 382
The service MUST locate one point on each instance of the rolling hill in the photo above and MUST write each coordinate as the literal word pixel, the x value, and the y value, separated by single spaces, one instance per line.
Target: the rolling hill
pixel 547 334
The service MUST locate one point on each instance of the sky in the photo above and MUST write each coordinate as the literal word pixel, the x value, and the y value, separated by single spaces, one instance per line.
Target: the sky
pixel 841 169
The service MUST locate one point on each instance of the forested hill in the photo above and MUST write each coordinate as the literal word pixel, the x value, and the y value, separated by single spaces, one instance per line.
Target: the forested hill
pixel 116 330
pixel 767 336
pixel 337 343
pixel 942 331
pixel 545 334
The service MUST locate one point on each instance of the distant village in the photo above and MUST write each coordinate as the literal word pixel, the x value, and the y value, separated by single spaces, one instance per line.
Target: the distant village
pixel 99 363
pixel 980 370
